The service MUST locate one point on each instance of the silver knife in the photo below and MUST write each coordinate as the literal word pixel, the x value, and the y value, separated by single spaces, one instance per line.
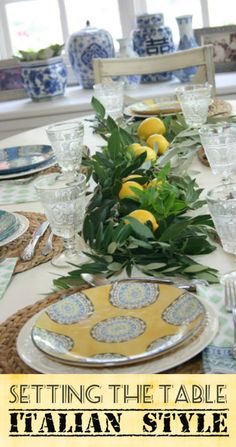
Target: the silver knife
pixel 28 252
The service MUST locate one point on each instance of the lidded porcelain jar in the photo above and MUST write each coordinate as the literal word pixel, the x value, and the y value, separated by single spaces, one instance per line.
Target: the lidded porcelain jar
pixel 83 47
pixel 152 38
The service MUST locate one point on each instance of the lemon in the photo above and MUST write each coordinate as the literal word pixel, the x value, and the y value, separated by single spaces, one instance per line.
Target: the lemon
pixel 151 154
pixel 144 216
pixel 126 192
pixel 130 177
pixel 134 146
pixel 150 126
pixel 161 141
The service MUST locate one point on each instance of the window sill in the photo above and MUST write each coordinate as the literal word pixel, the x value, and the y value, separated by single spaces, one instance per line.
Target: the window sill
pixel 24 114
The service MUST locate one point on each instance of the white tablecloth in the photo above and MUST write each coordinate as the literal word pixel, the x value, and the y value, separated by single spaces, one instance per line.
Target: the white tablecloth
pixel 28 287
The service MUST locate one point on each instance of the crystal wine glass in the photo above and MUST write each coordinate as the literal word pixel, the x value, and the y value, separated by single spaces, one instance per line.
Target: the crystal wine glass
pixel 64 205
pixel 219 143
pixel 194 100
pixel 66 139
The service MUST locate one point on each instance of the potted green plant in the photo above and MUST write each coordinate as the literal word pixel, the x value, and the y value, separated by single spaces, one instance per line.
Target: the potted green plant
pixel 43 72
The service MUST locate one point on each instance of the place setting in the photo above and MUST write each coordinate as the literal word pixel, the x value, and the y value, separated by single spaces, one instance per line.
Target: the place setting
pixel 162 329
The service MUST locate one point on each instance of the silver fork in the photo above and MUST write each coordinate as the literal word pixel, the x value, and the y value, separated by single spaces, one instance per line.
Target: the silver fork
pixel 230 304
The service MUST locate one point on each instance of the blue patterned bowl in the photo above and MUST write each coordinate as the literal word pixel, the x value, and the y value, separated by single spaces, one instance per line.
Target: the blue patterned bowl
pixel 44 79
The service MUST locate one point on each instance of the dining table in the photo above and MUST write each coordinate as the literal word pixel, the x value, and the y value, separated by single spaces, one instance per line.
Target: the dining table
pixel 29 287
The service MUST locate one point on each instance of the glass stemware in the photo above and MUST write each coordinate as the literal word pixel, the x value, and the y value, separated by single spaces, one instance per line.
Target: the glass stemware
pixel 111 95
pixel 194 100
pixel 219 143
pixel 66 139
pixel 221 202
pixel 64 205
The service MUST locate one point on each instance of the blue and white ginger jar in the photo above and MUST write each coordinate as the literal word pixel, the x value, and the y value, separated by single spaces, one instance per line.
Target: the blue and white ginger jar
pixel 187 41
pixel 44 79
pixel 86 45
pixel 153 38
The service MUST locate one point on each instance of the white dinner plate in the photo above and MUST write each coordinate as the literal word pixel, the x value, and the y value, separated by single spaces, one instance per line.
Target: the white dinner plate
pixel 21 229
pixel 38 361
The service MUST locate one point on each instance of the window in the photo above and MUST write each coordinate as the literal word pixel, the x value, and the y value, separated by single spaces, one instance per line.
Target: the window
pixel 222 13
pixel 30 27
pixel 35 24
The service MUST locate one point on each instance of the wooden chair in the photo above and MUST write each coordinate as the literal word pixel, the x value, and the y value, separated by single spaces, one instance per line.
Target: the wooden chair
pixel 201 57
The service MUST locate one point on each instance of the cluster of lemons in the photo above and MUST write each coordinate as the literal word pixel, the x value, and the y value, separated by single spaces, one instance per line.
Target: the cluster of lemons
pixel 151 130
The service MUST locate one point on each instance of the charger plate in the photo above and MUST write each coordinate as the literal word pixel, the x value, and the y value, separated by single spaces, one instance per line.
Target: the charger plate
pixel 40 362
pixel 126 322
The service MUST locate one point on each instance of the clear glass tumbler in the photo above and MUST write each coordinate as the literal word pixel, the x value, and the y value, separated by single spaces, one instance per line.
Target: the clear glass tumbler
pixel 222 206
pixel 219 143
pixel 64 205
pixel 66 139
pixel 111 95
pixel 194 100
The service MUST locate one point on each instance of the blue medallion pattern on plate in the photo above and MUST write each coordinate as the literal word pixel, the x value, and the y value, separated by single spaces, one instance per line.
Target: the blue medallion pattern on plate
pixel 44 79
pixel 133 295
pixel 183 310
pixel 23 158
pixel 71 310
pixel 118 329
pixel 83 47
pixel 51 342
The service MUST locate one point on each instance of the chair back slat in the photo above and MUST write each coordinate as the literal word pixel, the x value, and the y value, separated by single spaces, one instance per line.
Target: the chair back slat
pixel 198 57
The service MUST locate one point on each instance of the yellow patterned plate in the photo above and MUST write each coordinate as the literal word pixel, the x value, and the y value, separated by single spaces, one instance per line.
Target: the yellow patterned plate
pixel 154 106
pixel 113 325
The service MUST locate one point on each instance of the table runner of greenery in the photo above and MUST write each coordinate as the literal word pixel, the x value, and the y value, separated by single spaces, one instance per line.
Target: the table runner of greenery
pixel 117 241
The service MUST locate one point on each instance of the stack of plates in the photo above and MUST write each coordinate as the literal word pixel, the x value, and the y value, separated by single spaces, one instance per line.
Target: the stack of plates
pixel 130 326
pixel 12 226
pixel 18 161
pixel 163 105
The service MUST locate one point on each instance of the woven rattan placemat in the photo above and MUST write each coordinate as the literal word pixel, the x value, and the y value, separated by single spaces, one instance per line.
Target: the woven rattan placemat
pixel 14 249
pixel 10 362
pixel 219 107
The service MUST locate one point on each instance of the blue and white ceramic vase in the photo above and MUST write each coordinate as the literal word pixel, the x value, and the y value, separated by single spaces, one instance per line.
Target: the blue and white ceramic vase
pixel 44 79
pixel 151 38
pixel 126 50
pixel 187 41
pixel 84 46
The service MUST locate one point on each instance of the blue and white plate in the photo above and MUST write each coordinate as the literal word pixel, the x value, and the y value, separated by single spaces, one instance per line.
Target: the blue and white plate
pixel 8 224
pixel 23 158
pixel 21 227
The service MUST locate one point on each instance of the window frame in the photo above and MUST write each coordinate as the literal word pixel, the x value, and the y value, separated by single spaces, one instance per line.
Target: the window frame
pixel 128 9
